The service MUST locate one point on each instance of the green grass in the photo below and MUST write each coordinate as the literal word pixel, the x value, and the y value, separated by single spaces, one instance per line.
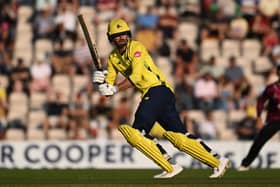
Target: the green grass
pixel 261 177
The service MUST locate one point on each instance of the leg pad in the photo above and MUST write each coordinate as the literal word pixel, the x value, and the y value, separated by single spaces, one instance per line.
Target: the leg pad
pixel 145 145
pixel 191 147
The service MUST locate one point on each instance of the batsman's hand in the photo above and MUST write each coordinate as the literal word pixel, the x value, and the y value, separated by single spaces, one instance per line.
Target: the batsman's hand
pixel 99 76
pixel 107 89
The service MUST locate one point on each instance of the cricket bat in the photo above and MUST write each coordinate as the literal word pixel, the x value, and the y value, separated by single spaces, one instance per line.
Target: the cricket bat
pixel 90 43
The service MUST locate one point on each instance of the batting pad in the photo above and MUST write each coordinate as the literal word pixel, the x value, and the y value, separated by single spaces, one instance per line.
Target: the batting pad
pixel 145 145
pixel 191 147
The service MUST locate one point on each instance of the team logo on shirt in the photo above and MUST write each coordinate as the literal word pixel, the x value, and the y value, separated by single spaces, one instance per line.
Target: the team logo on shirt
pixel 137 54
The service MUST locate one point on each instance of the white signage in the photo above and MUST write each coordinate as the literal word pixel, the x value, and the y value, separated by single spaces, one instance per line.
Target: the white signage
pixel 107 154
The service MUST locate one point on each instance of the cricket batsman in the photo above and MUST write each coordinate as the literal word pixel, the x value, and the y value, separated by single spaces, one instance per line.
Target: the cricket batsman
pixel 132 60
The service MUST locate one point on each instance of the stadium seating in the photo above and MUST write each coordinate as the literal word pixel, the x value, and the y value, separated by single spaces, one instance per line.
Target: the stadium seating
pixel 15 134
pixel 35 134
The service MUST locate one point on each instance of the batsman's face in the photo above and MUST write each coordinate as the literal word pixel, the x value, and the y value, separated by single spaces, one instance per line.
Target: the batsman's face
pixel 121 40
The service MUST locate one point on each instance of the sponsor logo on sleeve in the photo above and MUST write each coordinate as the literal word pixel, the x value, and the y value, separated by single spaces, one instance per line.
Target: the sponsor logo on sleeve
pixel 137 54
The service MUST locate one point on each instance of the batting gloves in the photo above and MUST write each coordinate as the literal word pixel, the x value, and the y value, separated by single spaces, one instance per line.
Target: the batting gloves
pixel 99 76
pixel 107 89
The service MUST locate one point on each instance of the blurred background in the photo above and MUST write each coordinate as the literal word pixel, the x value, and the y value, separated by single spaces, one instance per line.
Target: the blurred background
pixel 218 54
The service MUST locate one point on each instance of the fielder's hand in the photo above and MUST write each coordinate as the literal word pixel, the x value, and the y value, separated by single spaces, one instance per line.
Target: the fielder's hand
pixel 107 89
pixel 99 76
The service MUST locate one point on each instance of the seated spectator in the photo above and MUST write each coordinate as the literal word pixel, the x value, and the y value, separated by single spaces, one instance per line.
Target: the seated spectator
pixel 269 8
pixel 218 26
pixel 259 26
pixel 248 9
pixel 40 73
pixel 186 59
pixel 238 28
pixel 7 36
pixel 270 39
pixel 66 23
pixel 100 115
pixel 168 23
pixel 56 111
pixel 225 94
pixel 207 127
pixel 61 58
pixel 206 92
pixel 246 128
pixel 149 19
pixel 184 95
pixel 5 57
pixel 79 117
pixel 20 72
pixel 234 73
pixel 43 25
pixel 105 11
pixel 211 66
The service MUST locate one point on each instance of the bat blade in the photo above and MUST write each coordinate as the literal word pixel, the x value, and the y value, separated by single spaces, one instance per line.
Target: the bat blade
pixel 91 45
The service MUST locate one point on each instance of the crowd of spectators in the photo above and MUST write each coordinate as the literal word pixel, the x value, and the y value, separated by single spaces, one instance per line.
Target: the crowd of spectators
pixel 216 86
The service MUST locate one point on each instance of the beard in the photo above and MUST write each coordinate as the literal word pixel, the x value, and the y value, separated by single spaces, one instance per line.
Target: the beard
pixel 121 43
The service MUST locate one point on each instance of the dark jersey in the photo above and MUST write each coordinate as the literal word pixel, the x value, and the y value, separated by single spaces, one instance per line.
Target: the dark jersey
pixel 271 96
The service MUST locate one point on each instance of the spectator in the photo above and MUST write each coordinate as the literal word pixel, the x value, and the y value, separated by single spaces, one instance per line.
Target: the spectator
pixel 79 117
pixel 212 66
pixel 43 25
pixel 168 23
pixel 61 58
pixel 269 8
pixel 207 127
pixel 149 19
pixel 186 59
pixel 20 72
pixel 66 22
pixel 248 9
pixel 5 57
pixel 270 39
pixel 238 28
pixel 260 26
pixel 246 128
pixel 56 112
pixel 184 95
pixel 40 73
pixel 205 92
pixel 234 73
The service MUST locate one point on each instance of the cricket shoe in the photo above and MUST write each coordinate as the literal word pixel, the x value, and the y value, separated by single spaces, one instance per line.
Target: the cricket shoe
pixel 242 168
pixel 164 175
pixel 221 169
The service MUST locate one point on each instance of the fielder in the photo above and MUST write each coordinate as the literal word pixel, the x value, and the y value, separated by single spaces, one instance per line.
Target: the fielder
pixel 269 100
pixel 132 60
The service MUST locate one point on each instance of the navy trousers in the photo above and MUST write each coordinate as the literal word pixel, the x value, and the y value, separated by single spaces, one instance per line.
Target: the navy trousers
pixel 158 104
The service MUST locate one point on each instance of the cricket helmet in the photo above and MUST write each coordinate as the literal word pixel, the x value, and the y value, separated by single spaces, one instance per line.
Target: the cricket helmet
pixel 117 27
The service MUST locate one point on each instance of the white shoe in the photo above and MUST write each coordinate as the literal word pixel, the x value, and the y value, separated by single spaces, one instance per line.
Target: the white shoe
pixel 221 169
pixel 242 168
pixel 164 175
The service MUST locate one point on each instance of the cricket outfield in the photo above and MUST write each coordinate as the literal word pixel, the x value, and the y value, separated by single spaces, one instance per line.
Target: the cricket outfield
pixel 124 177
